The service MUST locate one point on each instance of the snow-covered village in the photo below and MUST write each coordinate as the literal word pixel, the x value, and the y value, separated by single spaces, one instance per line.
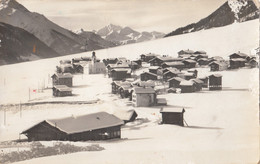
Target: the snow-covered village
pixel 118 95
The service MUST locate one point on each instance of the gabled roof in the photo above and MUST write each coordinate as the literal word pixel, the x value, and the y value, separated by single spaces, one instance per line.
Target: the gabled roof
pixel 176 79
pixel 215 75
pixel 239 54
pixel 200 52
pixel 124 114
pixel 83 123
pixel 171 71
pixel 77 59
pixel 173 63
pixel 198 81
pixel 120 70
pixel 150 73
pixel 140 90
pixel 171 109
pixel 187 51
pixel 154 67
pixel 215 63
pixel 148 83
pixel 60 76
pixel 238 59
pixel 203 59
pixel 189 61
pixel 62 88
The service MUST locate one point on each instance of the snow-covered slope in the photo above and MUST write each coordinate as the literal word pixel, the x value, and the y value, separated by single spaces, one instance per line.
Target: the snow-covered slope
pixel 58 38
pixel 230 12
pixel 126 35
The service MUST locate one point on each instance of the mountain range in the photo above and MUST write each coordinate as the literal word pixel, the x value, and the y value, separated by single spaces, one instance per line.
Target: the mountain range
pixel 125 35
pixel 61 40
pixel 230 12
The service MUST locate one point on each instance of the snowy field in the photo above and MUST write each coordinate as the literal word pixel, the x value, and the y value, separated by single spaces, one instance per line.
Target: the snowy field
pixel 223 125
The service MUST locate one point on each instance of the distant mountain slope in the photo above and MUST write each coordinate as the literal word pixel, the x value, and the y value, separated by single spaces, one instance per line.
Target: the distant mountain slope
pixel 60 39
pixel 230 12
pixel 126 35
pixel 18 45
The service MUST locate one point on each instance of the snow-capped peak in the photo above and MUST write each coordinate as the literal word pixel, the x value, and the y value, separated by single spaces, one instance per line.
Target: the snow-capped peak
pixel 236 6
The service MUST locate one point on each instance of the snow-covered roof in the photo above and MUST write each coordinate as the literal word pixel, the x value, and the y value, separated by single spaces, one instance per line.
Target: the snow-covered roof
pixel 124 114
pixel 216 75
pixel 173 63
pixel 176 79
pixel 200 52
pixel 186 83
pixel 171 109
pixel 197 81
pixel 144 90
pixel 83 123
pixel 64 75
pixel 189 61
pixel 238 59
pixel 150 73
pixel 62 88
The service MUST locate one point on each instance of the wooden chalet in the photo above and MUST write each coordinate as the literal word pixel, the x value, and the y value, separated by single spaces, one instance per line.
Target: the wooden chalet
pixel 67 68
pixel 175 82
pixel 96 126
pixel 216 58
pixel 148 76
pixel 61 91
pixel 179 65
pixel 154 69
pixel 126 115
pixel 159 60
pixel 218 66
pixel 117 84
pixel 203 61
pixel 193 71
pixel 187 86
pixel 78 68
pixel 62 79
pixel 215 82
pixel 148 57
pixel 238 55
pixel 188 63
pixel 172 115
pixel 201 56
pixel 205 81
pixel 124 90
pixel 198 84
pixel 185 53
pixel 120 73
pixel 143 97
pixel 253 63
pixel 140 83
pixel 188 76
pixel 170 74
pixel 235 63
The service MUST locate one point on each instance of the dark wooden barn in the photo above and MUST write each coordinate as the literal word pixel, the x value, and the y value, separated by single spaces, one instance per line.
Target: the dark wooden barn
pixel 61 91
pixel 238 55
pixel 185 53
pixel 117 84
pixel 253 63
pixel 62 79
pixel 170 74
pixel 218 66
pixel 198 84
pixel 154 69
pixel 172 115
pixel 175 82
pixel 235 63
pixel 67 68
pixel 205 81
pixel 189 63
pixel 148 57
pixel 126 115
pixel 187 86
pixel 203 61
pixel 193 71
pixel 96 126
pixel 78 68
pixel 179 65
pixel 148 76
pixel 159 60
pixel 215 82
pixel 120 73
pixel 124 91
pixel 188 76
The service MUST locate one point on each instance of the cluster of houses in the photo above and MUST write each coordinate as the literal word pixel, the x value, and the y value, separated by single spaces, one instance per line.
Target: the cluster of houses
pixel 178 73
pixel 62 80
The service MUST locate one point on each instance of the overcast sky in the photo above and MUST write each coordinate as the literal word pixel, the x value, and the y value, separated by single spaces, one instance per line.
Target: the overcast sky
pixel 141 15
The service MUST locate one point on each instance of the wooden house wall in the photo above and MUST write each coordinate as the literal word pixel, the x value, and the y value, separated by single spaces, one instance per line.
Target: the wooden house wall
pixel 215 83
pixel 172 118
pixel 146 76
pixel 119 75
pixel 187 89
pixel 174 84
pixel 144 99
